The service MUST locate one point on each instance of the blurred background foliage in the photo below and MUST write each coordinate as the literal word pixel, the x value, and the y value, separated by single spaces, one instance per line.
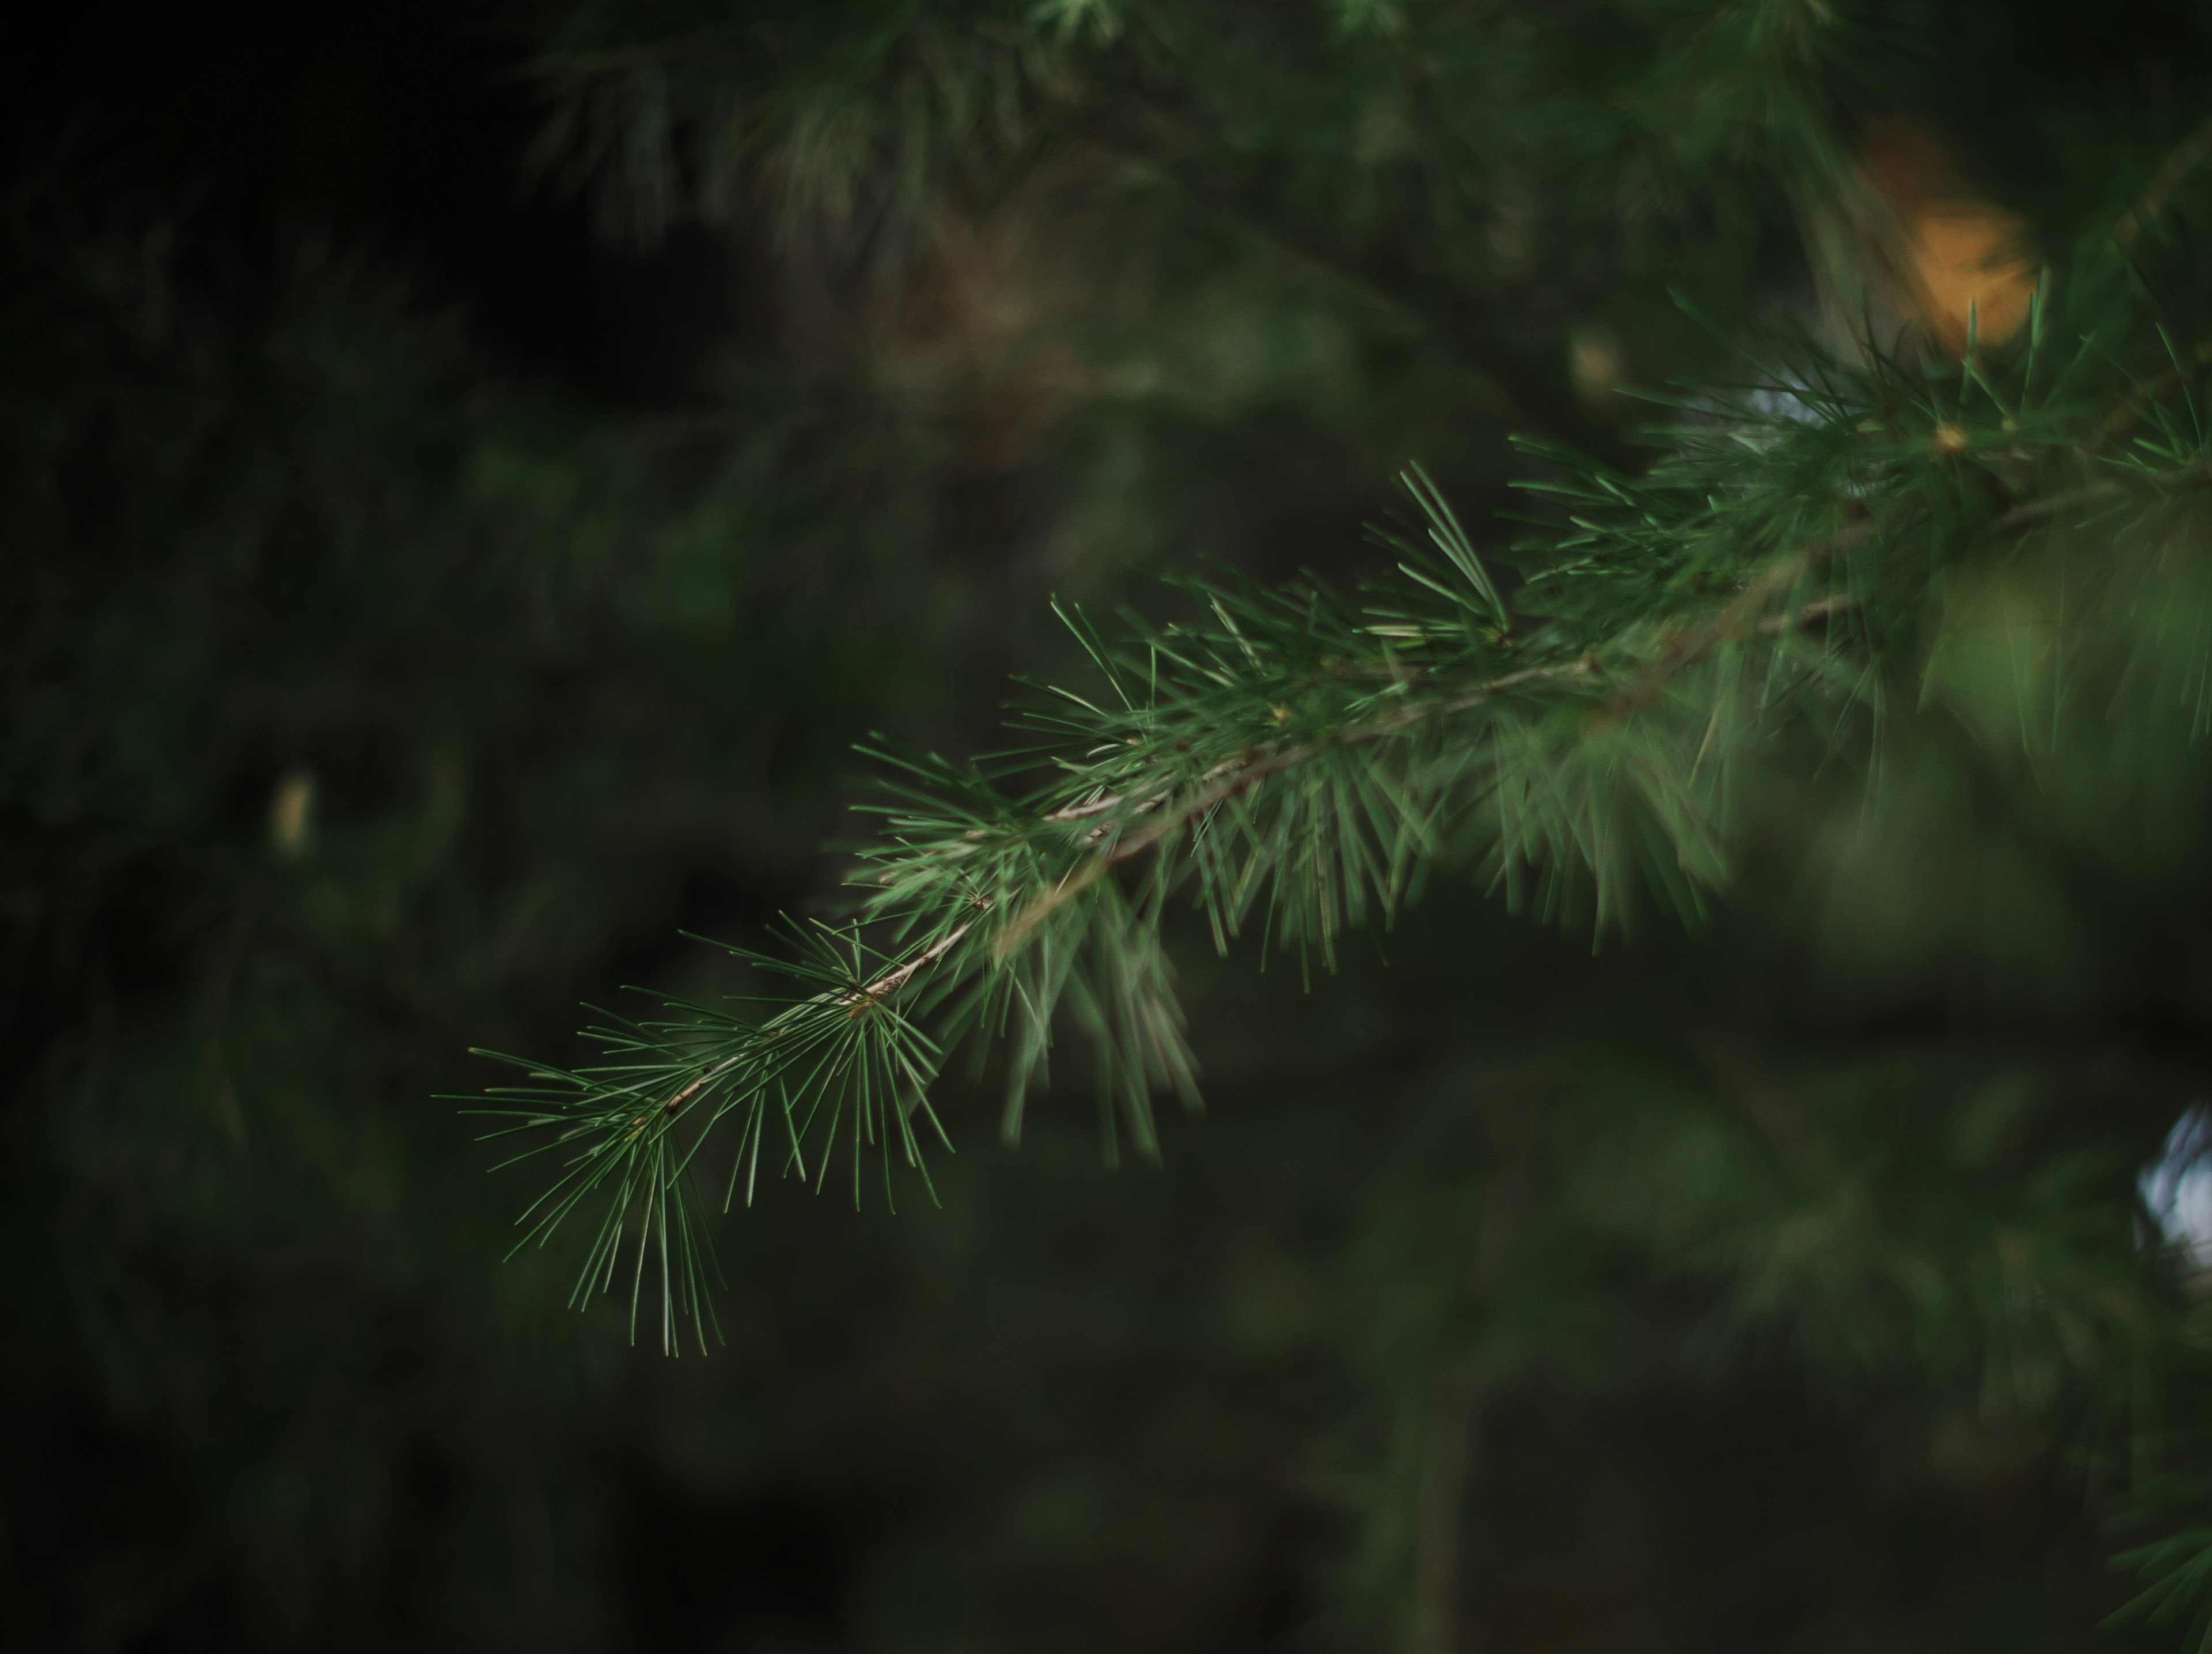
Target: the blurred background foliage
pixel 429 593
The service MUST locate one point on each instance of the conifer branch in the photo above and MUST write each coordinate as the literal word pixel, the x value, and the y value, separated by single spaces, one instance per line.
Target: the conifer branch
pixel 1293 761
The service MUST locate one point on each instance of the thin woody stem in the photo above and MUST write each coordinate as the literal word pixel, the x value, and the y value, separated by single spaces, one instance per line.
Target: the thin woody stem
pixel 1741 617
pixel 891 982
pixel 1244 776
pixel 858 1002
pixel 1738 618
pixel 676 1103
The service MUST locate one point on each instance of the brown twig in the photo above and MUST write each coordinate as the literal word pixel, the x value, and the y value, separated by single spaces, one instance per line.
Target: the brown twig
pixel 1129 846
pixel 2036 512
pixel 1237 777
pixel 1083 812
pixel 859 1001
pixel 1804 613
pixel 1227 779
pixel 1738 618
pixel 675 1103
pixel 891 981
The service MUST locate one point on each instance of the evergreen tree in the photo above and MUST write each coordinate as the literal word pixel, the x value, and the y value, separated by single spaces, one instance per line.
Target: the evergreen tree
pixel 1692 961
pixel 1878 660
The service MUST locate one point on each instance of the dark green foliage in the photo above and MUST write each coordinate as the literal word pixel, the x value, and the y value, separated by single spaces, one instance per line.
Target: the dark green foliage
pixel 521 673
pixel 1776 1275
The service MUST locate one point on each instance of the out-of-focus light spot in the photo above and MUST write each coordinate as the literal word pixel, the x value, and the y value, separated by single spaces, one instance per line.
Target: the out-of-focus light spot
pixel 1969 275
pixel 292 814
pixel 1963 264
pixel 1596 366
pixel 2177 1187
